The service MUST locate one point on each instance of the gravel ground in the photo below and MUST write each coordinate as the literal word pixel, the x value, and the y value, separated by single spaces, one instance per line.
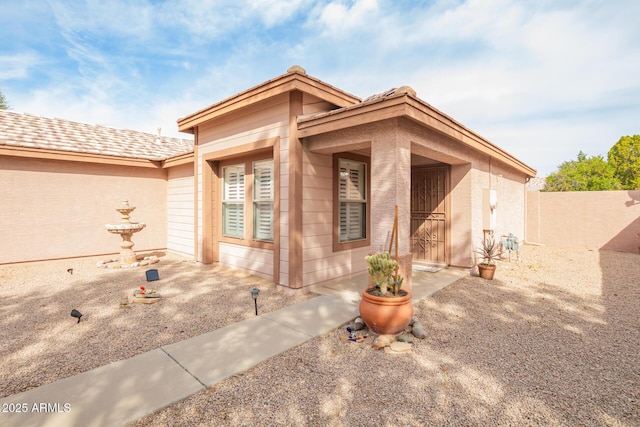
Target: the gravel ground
pixel 40 342
pixel 553 340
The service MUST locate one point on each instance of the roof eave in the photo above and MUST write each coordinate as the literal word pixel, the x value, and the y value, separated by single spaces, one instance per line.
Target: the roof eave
pixel 40 153
pixel 413 108
pixel 287 82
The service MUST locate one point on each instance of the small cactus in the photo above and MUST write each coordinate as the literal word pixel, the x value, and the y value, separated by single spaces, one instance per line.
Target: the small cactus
pixel 382 270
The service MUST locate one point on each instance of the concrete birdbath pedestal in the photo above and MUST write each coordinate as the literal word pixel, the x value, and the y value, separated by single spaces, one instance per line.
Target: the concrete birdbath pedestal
pixel 126 229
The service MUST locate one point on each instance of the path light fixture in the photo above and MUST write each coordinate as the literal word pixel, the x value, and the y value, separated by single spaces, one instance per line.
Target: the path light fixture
pixel 77 314
pixel 254 294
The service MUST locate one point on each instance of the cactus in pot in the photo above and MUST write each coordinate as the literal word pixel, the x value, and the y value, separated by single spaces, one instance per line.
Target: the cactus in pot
pixel 383 271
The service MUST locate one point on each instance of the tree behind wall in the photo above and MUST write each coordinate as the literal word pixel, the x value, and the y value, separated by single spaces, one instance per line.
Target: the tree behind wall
pixel 624 157
pixel 584 174
pixel 3 102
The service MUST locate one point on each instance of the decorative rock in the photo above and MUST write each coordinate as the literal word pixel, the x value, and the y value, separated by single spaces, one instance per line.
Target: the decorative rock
pixel 143 300
pixel 380 342
pixel 413 320
pixel 398 347
pixel 405 338
pixel 357 324
pixel 418 330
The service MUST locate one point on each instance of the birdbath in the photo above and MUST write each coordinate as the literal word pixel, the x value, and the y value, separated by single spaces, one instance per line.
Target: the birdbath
pixel 126 229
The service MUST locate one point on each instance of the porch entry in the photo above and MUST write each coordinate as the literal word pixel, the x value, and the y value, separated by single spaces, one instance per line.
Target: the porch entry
pixel 429 215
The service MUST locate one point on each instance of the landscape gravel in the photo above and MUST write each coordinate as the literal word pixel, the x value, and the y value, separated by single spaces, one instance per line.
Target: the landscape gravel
pixel 553 340
pixel 40 342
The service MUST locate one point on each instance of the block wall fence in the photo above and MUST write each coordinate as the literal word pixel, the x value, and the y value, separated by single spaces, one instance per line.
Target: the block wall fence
pixel 608 220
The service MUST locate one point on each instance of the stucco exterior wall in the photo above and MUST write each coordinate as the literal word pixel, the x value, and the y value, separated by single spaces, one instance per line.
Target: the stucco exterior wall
pixel 57 209
pixel 510 189
pixel 180 209
pixel 461 215
pixel 585 219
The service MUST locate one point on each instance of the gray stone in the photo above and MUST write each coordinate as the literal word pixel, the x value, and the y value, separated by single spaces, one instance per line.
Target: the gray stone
pixel 405 338
pixel 418 330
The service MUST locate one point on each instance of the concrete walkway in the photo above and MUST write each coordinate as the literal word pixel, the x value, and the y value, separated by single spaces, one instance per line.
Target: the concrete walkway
pixel 127 390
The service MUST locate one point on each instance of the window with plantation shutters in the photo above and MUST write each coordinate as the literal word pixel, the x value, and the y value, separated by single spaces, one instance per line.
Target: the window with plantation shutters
pixel 263 183
pixel 233 201
pixel 352 197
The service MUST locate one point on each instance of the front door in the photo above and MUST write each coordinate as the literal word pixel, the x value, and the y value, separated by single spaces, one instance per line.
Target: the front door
pixel 429 222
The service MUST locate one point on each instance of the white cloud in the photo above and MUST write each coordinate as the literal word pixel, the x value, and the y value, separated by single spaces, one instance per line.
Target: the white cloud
pixel 18 65
pixel 338 17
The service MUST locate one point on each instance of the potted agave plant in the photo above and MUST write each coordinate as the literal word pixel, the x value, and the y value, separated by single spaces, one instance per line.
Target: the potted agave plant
pixel 385 308
pixel 489 252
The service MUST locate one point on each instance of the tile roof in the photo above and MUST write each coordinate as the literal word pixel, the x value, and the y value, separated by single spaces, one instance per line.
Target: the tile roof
pixel 26 130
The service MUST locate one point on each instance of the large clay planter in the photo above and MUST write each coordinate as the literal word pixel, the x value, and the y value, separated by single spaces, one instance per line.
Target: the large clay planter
pixel 386 316
pixel 486 271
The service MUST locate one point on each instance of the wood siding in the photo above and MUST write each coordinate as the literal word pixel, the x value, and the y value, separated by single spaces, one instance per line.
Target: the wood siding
pixel 180 212
pixel 320 262
pixel 231 136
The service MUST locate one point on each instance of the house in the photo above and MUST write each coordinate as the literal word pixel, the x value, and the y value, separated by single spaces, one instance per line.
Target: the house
pixel 293 180
pixel 297 180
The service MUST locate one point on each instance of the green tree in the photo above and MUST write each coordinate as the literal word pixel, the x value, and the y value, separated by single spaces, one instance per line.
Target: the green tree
pixel 624 157
pixel 584 174
pixel 3 102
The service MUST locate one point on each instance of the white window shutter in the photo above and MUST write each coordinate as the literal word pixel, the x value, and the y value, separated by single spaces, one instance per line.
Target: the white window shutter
pixel 352 196
pixel 263 191
pixel 233 201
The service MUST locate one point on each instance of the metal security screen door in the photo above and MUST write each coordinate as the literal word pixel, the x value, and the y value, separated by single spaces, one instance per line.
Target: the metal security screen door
pixel 429 188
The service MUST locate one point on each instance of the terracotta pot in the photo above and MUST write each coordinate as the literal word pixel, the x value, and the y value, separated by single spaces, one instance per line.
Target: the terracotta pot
pixel 384 315
pixel 486 271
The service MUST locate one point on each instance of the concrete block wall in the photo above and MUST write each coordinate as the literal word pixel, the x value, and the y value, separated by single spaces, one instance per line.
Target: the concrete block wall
pixel 595 220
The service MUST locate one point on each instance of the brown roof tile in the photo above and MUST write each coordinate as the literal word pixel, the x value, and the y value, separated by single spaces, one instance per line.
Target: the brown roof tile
pixel 26 130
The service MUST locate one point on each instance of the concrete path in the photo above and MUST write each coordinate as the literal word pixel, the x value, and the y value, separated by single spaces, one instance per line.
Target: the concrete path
pixel 127 390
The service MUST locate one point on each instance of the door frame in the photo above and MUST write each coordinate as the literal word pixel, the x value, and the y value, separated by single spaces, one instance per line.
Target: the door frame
pixel 447 211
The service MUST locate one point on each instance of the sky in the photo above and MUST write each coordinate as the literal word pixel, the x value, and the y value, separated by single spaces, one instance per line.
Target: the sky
pixel 541 79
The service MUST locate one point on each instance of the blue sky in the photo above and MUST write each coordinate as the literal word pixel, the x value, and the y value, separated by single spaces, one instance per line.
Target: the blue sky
pixel 541 79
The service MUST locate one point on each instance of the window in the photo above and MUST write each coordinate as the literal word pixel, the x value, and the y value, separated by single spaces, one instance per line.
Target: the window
pixel 233 201
pixel 248 200
pixel 352 199
pixel 263 184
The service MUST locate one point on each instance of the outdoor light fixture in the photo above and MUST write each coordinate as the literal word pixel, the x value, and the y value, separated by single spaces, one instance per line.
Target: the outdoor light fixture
pixel 76 313
pixel 254 294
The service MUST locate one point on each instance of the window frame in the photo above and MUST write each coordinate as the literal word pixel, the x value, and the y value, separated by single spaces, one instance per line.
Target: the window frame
pixel 358 243
pixel 248 236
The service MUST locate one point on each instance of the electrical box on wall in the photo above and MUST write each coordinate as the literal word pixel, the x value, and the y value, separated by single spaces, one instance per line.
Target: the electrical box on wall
pixel 489 208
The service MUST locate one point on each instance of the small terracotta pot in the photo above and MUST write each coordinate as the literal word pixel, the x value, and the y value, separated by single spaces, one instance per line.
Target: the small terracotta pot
pixel 486 271
pixel 384 315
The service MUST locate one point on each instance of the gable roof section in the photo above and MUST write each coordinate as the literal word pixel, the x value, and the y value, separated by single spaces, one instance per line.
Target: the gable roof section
pixel 296 78
pixel 403 102
pixel 34 136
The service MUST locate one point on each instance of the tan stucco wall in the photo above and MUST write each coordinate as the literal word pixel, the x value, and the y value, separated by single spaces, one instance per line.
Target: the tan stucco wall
pixel 471 172
pixel 57 209
pixel 585 219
